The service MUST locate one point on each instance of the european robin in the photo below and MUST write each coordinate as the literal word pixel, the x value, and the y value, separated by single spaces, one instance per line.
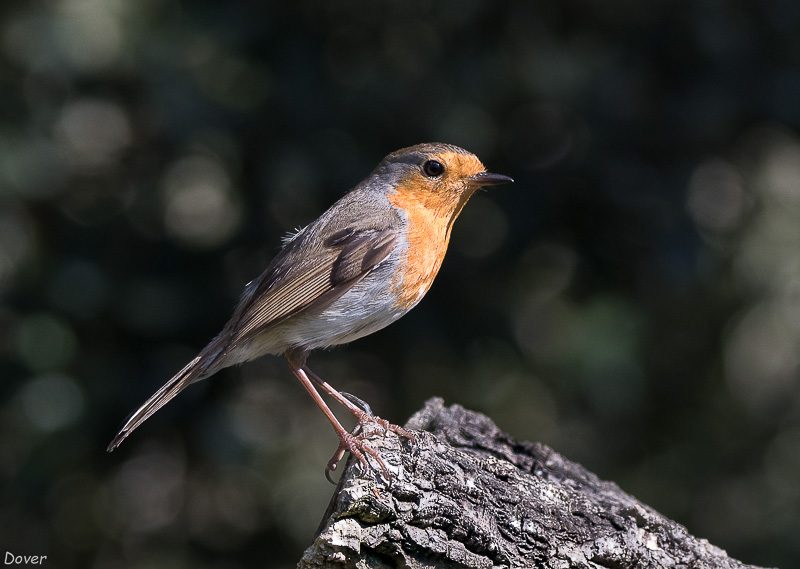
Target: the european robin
pixel 359 267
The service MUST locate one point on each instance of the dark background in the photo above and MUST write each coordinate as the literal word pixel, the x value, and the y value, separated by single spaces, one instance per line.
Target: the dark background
pixel 633 300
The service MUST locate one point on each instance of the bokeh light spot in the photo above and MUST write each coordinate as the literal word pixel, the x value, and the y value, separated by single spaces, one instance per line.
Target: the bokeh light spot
pixel 88 32
pixel 51 402
pixel 780 174
pixel 716 199
pixel 16 242
pixel 761 358
pixel 92 133
pixel 200 208
pixel 762 365
pixel 45 342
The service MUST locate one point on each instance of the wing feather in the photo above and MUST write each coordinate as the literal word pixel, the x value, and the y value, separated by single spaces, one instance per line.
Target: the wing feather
pixel 293 283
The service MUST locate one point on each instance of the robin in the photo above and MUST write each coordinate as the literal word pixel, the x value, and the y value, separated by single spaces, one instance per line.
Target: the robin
pixel 359 267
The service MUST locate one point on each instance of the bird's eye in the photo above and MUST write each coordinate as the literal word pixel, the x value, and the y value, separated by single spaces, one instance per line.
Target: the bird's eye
pixel 433 168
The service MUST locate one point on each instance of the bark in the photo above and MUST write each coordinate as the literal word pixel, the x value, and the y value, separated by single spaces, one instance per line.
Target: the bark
pixel 464 494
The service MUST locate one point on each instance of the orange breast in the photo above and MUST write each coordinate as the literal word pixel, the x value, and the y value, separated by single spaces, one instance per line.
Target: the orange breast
pixel 430 218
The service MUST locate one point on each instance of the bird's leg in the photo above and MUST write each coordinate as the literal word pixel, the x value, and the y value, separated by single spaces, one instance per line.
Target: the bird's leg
pixel 347 442
pixel 357 407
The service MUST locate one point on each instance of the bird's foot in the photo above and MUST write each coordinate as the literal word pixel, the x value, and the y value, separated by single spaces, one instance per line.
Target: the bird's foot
pixel 356 446
pixel 356 443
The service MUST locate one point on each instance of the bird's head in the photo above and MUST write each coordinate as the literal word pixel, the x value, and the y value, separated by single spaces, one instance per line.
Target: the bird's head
pixel 439 176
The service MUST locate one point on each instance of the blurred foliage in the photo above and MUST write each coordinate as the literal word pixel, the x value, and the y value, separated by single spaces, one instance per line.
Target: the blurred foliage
pixel 633 300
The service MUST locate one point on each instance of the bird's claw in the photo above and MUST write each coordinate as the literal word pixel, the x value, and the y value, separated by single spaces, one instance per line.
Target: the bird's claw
pixel 355 443
pixel 334 462
pixel 356 446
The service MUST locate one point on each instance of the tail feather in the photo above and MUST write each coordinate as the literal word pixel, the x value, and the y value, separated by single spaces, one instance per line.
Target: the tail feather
pixel 197 369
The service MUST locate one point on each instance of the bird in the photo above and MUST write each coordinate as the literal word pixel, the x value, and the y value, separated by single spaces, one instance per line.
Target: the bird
pixel 364 263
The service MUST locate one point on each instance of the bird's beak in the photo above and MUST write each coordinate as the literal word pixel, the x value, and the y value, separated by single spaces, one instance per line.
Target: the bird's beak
pixel 487 179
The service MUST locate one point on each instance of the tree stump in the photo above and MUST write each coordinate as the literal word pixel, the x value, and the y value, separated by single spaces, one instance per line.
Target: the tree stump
pixel 464 494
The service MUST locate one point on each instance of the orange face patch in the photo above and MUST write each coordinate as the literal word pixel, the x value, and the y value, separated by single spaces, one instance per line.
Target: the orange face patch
pixel 431 206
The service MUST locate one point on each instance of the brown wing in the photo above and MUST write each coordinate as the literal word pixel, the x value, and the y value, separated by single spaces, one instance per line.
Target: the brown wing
pixel 316 277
